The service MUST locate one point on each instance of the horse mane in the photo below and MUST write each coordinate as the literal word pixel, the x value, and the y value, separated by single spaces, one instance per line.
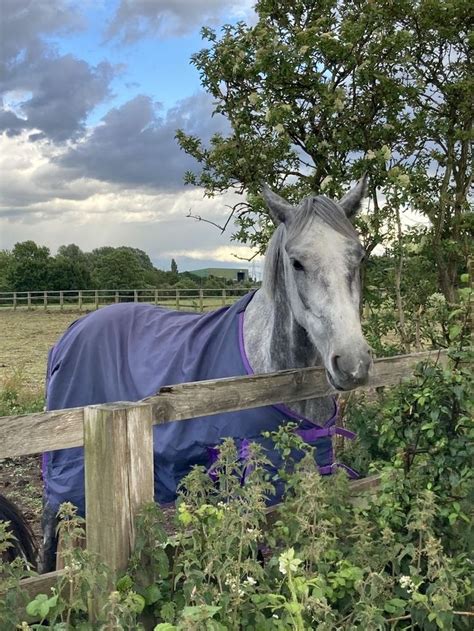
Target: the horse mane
pixel 23 543
pixel 311 207
pixel 271 269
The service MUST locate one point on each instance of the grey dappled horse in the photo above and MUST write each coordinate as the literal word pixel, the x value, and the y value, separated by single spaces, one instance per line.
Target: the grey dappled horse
pixel 305 314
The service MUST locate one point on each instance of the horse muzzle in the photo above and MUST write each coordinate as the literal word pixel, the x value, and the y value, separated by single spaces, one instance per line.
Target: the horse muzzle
pixel 349 371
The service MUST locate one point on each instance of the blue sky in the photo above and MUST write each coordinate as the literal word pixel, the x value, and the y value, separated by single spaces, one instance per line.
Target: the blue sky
pixel 157 66
pixel 92 95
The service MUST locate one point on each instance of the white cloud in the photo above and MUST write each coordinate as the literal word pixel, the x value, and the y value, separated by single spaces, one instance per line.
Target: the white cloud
pixel 238 254
pixel 135 19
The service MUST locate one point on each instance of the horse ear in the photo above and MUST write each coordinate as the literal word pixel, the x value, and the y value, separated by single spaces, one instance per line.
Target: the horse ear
pixel 280 209
pixel 352 200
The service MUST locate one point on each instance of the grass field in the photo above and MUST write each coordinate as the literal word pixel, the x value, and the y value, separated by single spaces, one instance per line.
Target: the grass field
pixel 24 343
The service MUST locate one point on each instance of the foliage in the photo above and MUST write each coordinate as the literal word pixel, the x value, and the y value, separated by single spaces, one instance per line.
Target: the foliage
pixel 423 318
pixel 318 92
pixel 322 558
pixel 5 263
pixel 29 267
pixel 120 268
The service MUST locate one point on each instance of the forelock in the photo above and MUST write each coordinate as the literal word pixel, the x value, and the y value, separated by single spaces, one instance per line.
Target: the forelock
pixel 325 209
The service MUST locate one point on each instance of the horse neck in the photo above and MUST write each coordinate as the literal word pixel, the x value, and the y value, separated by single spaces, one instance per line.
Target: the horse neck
pixel 275 341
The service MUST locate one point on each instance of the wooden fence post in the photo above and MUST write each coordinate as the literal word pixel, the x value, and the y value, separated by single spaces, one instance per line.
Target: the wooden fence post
pixel 135 295
pixel 116 297
pixel 223 297
pixel 96 298
pixel 14 300
pixel 61 300
pixel 201 301
pixel 156 296
pixel 45 299
pixel 28 295
pixel 118 456
pixel 79 299
pixel 177 300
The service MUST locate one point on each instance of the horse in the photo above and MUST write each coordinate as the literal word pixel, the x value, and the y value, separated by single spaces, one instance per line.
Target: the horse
pixel 23 542
pixel 306 313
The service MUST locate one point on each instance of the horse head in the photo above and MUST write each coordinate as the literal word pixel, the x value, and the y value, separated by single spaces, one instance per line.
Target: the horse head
pixel 320 254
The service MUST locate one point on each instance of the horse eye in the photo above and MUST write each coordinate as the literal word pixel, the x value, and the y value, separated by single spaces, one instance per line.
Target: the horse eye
pixel 297 265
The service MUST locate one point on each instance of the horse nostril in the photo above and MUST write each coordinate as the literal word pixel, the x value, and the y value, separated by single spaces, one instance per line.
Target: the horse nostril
pixel 334 363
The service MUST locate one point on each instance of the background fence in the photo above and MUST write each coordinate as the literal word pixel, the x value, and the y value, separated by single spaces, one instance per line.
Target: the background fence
pixel 118 485
pixel 90 299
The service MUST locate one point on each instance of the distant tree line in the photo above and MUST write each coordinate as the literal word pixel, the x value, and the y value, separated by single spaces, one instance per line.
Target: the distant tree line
pixel 31 267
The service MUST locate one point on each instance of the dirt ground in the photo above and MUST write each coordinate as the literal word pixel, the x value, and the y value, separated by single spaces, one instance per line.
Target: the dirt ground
pixel 25 338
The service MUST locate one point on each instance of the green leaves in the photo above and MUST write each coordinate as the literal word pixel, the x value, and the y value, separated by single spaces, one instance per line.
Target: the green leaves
pixel 41 606
pixel 395 606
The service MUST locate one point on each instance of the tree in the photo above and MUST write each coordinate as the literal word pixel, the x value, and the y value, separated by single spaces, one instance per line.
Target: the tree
pixel 318 91
pixel 6 260
pixel 118 269
pixel 66 273
pixel 174 267
pixel 29 267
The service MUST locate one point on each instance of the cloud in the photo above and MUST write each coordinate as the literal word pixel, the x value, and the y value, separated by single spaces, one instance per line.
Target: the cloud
pixel 223 253
pixel 60 91
pixel 39 202
pixel 135 19
pixel 22 23
pixel 135 146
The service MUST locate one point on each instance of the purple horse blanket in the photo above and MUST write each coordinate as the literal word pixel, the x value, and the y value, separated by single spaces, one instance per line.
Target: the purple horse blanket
pixel 127 352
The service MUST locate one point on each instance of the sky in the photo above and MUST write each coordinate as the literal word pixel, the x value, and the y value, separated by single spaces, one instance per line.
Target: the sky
pixel 91 95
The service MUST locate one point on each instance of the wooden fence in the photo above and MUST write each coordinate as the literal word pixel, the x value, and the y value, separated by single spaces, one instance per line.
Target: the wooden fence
pixel 90 299
pixel 118 442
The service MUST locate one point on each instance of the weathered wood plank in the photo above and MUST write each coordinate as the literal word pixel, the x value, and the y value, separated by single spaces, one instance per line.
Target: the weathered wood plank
pixel 43 431
pixel 106 483
pixel 118 448
pixel 190 400
pixel 141 484
pixel 41 584
pixel 33 433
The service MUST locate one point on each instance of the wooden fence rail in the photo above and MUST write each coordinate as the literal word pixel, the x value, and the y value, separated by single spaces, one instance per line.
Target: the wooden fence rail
pixel 118 441
pixel 91 299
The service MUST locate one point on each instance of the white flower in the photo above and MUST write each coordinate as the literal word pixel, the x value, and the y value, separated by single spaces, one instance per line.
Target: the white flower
pixel 386 153
pixel 325 183
pixel 436 300
pixel 250 580
pixel 253 98
pixel 288 562
pixel 371 155
pixel 403 179
pixel 406 582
